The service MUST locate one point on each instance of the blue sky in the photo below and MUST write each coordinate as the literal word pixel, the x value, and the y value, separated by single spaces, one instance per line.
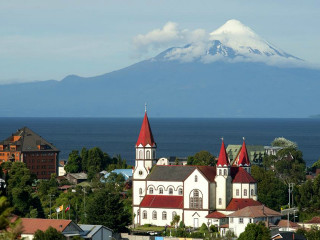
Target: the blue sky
pixel 41 40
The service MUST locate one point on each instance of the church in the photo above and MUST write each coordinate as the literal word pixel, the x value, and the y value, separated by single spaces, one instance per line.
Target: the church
pixel 198 194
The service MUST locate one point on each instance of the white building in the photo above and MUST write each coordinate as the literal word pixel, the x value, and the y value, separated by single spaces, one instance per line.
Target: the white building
pixel 252 214
pixel 192 192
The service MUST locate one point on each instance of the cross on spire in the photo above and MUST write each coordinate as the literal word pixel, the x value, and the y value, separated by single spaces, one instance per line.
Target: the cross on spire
pixel 145 107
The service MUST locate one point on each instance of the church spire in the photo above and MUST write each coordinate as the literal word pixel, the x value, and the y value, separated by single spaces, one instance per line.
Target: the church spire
pixel 145 136
pixel 223 157
pixel 243 157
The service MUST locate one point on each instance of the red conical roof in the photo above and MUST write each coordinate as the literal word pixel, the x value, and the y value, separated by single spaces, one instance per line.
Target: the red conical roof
pixel 243 156
pixel 223 157
pixel 145 136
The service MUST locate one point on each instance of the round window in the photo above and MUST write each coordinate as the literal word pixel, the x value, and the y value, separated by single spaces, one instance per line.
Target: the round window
pixel 140 172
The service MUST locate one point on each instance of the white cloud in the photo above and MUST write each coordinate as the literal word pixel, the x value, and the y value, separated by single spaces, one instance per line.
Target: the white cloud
pixel 169 35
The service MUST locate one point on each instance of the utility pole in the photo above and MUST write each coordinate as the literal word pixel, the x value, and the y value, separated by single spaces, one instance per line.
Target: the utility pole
pixel 290 185
pixel 50 204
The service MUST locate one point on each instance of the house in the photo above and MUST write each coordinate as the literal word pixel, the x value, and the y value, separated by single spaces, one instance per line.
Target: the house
pixel 251 214
pixel 315 221
pixel 76 178
pixel 172 160
pixel 288 236
pixel 217 219
pixel 40 156
pixel 272 150
pixel 30 225
pixel 161 192
pixel 285 225
pixel 62 164
pixel 255 153
pixel 96 232
pixel 127 173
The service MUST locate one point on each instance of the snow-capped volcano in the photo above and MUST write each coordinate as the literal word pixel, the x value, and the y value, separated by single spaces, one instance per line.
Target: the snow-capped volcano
pixel 233 41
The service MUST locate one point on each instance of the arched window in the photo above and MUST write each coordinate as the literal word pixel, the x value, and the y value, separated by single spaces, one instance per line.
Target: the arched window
pixel 245 192
pixel 140 191
pixel 144 214
pixel 220 201
pixel 225 172
pixel 196 178
pixel 148 155
pixel 164 215
pixel 170 191
pixel 220 172
pixel 140 154
pixel 151 190
pixel 154 215
pixel 180 191
pixel 161 190
pixel 195 199
pixel 252 192
pixel 173 214
pixel 237 192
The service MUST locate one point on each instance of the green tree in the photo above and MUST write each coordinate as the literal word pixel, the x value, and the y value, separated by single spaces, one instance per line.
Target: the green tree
pixel 84 157
pixel 96 162
pixel 202 158
pixel 204 228
pixel 20 193
pixel 255 232
pixel 10 228
pixel 283 142
pixel 175 220
pixel 74 164
pixel 107 208
pixel 268 180
pixel 50 234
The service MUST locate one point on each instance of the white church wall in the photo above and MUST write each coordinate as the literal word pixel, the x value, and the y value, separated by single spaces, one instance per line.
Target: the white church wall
pixel 201 184
pixel 160 220
pixel 139 191
pixel 237 190
pixel 195 218
pixel 253 189
pixel 156 185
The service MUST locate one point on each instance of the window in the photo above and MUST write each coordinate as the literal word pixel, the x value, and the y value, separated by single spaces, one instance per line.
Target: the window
pixel 195 199
pixel 151 190
pixel 170 191
pixel 225 172
pixel 245 192
pixel 140 154
pixel 180 191
pixel 154 215
pixel 144 214
pixel 164 215
pixel 196 178
pixel 220 172
pixel 252 192
pixel 220 201
pixel 140 191
pixel 237 192
pixel 173 214
pixel 148 155
pixel 161 191
pixel 240 220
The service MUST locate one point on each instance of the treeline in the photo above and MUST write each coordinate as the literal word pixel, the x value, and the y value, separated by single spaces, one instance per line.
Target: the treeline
pixel 93 161
pixel 29 197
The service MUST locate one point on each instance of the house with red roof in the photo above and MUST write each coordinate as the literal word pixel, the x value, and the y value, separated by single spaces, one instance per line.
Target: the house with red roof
pixel 198 194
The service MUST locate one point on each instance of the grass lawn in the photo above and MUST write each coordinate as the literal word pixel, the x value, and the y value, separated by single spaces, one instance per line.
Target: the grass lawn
pixel 146 229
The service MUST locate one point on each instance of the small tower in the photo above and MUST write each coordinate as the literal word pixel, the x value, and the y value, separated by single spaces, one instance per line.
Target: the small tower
pixel 145 159
pixel 223 179
pixel 244 158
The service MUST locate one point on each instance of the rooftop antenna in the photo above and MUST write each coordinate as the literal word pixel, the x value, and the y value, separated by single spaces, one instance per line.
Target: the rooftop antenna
pixel 145 107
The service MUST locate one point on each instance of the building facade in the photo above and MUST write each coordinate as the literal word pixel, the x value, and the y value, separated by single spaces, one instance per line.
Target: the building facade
pixel 40 156
pixel 193 192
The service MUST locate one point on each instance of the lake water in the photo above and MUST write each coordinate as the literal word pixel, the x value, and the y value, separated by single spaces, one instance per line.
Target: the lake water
pixel 174 137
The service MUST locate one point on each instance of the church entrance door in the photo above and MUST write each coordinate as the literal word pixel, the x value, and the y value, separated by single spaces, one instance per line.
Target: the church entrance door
pixel 196 222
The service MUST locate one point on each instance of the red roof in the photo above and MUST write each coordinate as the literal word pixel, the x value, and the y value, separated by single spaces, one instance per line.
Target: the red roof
pixel 208 171
pixel 216 215
pixel 161 201
pixel 145 136
pixel 314 220
pixel 242 176
pixel 223 157
pixel 31 225
pixel 239 203
pixel 243 157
